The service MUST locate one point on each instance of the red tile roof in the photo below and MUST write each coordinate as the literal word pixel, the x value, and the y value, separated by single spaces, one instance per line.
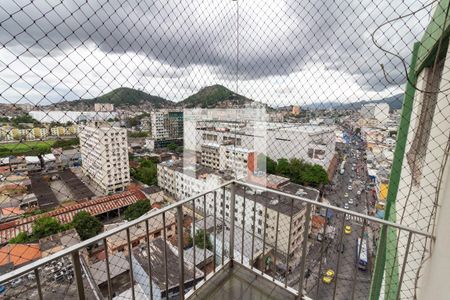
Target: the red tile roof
pixel 95 207
pixel 19 254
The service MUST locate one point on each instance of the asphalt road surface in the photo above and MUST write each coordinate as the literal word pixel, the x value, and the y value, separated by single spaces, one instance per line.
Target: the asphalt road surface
pixel 349 281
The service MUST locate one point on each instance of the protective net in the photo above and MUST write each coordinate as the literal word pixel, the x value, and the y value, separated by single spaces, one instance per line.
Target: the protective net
pixel 302 141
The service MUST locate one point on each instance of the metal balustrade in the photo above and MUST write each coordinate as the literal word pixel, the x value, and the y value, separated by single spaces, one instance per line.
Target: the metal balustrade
pixel 304 269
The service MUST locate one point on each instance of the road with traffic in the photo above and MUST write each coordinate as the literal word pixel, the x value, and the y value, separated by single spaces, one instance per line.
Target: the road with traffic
pixel 339 254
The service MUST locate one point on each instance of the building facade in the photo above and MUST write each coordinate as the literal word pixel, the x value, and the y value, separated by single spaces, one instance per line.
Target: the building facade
pixel 265 208
pixel 166 124
pixel 104 153
pixel 314 144
pixel 378 111
pixel 238 160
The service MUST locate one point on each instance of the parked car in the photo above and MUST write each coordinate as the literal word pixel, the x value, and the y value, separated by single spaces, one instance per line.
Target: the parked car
pixel 328 277
pixel 346 206
pixel 347 229
pixel 350 188
pixel 350 201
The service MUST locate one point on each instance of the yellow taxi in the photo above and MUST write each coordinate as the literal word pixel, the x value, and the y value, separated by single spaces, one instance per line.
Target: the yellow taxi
pixel 347 229
pixel 328 277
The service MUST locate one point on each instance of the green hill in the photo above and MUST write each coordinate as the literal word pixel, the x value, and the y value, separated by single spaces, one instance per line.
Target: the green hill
pixel 214 96
pixel 123 97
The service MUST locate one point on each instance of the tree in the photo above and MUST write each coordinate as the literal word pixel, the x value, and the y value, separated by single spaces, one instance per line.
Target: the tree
pixel 172 146
pixel 86 225
pixel 131 122
pixel 136 210
pixel 138 134
pixel 282 167
pixel 21 238
pixel 146 172
pixel 179 149
pixel 200 238
pixel 46 226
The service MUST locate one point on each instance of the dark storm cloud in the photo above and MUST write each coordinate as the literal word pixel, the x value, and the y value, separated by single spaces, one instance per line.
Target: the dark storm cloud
pixel 274 39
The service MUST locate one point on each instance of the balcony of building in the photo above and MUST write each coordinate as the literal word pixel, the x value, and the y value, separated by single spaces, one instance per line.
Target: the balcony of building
pixel 149 259
pixel 310 67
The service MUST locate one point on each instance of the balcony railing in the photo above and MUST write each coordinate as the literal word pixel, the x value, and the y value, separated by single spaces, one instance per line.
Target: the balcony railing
pixel 294 251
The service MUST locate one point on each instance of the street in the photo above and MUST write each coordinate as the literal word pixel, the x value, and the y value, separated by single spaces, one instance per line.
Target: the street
pixel 348 282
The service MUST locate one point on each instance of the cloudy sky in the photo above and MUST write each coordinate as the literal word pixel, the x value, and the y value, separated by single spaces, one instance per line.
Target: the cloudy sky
pixel 290 52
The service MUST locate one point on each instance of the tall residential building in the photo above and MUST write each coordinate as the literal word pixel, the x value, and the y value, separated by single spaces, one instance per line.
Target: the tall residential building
pixel 167 124
pixel 104 153
pixel 378 111
pixel 314 144
pixel 238 160
pixel 186 181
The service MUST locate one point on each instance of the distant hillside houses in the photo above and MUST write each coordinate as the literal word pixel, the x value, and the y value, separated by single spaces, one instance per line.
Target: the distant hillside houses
pixel 72 116
pixel 10 133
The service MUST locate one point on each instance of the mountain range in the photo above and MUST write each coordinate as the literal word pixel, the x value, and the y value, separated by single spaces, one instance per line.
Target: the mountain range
pixel 395 102
pixel 214 96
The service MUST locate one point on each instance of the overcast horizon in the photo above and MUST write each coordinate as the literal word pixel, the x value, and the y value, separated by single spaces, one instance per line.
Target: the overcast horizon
pixel 289 52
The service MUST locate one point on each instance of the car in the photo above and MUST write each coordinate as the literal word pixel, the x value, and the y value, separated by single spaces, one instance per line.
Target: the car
pixel 350 188
pixel 350 180
pixel 350 201
pixel 319 237
pixel 346 206
pixel 16 282
pixel 347 217
pixel 358 193
pixel 328 277
pixel 346 195
pixel 348 229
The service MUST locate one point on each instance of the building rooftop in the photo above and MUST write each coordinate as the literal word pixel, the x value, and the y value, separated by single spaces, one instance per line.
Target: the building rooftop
pixel 158 266
pixel 137 231
pixel 32 160
pixel 151 189
pixel 194 170
pixel 282 204
pixel 65 215
pixel 118 264
pixel 59 241
pixel 199 255
pixel 15 255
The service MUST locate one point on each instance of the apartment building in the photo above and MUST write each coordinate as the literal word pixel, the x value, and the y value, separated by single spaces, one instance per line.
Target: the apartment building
pixel 238 160
pixel 104 153
pixel 63 130
pixel 314 144
pixel 8 133
pixel 378 111
pixel 166 124
pixel 265 208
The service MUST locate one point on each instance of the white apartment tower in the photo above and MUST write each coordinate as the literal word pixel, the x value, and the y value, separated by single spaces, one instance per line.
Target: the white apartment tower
pixel 378 111
pixel 104 153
